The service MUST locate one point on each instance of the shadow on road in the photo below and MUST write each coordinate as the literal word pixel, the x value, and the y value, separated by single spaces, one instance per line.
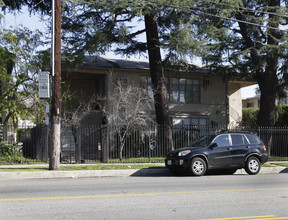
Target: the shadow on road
pixel 166 173
pixel 152 172
pixel 285 170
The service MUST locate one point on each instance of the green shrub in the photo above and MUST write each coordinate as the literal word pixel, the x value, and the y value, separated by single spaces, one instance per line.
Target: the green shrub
pixel 281 116
pixel 250 117
pixel 6 149
pixel 10 155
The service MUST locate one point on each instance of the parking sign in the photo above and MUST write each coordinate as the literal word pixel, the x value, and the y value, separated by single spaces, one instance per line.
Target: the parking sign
pixel 44 85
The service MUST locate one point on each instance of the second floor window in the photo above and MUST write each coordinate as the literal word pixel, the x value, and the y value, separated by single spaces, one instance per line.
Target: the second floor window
pixel 179 90
pixel 185 90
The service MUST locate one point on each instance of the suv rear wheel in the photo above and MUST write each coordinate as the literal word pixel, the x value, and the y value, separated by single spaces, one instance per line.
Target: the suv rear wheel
pixel 253 165
pixel 197 167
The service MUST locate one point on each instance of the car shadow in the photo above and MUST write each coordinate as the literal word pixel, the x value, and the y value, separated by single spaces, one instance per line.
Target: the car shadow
pixel 148 172
pixel 284 170
pixel 164 172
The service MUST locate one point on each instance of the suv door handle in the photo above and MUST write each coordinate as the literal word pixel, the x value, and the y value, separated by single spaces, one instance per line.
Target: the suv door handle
pixel 229 148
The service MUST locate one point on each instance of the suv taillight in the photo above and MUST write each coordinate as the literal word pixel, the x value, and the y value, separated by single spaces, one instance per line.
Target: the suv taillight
pixel 265 148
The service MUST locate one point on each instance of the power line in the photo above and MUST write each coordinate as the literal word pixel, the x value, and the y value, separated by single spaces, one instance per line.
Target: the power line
pixel 37 4
pixel 213 15
pixel 235 20
pixel 251 10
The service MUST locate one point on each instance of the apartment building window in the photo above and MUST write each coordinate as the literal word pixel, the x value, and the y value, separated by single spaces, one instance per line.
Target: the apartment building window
pixel 185 90
pixel 145 83
pixel 249 105
pixel 179 90
pixel 191 121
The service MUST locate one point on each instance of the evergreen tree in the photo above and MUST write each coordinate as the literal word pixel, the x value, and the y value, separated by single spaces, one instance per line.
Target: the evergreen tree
pixel 245 38
pixel 16 5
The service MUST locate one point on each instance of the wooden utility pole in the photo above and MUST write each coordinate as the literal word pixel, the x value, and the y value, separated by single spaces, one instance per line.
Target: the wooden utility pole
pixel 55 144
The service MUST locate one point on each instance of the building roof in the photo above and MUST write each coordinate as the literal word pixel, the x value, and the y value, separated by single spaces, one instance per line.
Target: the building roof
pixel 138 64
pixel 122 63
pixel 115 63
pixel 252 98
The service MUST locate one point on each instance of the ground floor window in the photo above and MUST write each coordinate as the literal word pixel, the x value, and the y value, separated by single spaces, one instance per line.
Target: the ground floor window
pixel 191 121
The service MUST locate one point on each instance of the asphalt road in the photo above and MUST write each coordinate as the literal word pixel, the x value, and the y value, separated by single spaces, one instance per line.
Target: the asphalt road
pixel 209 197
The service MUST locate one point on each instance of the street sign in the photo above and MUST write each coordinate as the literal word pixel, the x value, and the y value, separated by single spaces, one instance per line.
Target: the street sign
pixel 44 85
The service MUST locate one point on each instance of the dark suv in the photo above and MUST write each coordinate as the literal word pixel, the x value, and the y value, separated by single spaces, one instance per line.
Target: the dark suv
pixel 226 151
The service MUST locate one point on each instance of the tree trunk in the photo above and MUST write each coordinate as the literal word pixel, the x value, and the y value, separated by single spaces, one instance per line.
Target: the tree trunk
pixel 268 83
pixel 266 76
pixel 157 76
pixel 268 87
pixel 8 63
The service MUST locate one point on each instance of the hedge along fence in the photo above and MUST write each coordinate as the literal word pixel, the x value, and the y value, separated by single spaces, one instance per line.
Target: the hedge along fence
pixel 281 116
pixel 250 116
pixel 12 154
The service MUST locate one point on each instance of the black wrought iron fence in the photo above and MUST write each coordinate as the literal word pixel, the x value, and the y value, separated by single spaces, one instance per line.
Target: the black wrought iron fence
pixel 276 139
pixel 138 144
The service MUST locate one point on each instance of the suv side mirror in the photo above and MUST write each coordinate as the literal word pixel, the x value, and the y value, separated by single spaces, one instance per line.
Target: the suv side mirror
pixel 213 145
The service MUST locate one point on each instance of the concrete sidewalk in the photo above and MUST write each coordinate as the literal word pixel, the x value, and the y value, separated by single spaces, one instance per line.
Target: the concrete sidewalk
pixel 110 173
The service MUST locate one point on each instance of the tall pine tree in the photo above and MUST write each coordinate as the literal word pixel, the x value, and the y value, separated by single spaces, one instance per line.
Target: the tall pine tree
pixel 246 38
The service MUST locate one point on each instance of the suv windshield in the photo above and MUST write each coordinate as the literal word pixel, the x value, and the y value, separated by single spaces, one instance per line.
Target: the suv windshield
pixel 203 141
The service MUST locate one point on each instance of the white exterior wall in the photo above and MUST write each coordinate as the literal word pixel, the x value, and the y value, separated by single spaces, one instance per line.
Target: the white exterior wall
pixel 235 103
pixel 251 102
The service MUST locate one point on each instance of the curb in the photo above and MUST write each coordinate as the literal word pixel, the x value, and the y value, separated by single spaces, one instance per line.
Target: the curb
pixel 112 173
pixel 267 170
pixel 65 174
pixel 84 173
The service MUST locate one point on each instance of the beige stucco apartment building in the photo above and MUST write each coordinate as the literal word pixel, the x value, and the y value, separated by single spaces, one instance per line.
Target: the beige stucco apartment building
pixel 195 97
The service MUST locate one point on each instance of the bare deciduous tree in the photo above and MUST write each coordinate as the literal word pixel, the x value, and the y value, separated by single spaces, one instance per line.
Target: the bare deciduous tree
pixel 72 116
pixel 128 106
pixel 75 111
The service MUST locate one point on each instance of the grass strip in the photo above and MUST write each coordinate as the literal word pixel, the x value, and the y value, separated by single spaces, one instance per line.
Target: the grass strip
pixel 86 167
pixel 284 164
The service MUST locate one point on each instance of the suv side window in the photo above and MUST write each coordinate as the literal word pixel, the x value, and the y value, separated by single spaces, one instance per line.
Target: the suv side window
pixel 222 140
pixel 253 139
pixel 245 140
pixel 237 139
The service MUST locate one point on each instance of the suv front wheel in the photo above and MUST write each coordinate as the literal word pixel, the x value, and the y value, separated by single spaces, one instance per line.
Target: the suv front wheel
pixel 252 166
pixel 197 167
